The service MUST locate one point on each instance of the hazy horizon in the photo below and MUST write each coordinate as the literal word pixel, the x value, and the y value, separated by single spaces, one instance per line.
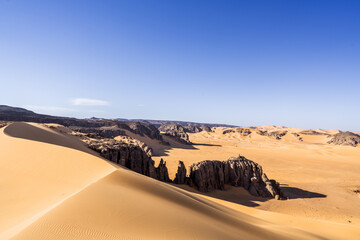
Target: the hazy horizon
pixel 283 63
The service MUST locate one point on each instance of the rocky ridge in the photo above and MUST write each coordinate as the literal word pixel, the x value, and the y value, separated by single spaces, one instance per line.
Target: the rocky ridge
pixel 196 129
pixel 345 138
pixel 242 131
pixel 275 134
pixel 176 131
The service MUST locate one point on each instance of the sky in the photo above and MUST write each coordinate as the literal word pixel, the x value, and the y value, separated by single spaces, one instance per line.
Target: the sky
pixel 247 63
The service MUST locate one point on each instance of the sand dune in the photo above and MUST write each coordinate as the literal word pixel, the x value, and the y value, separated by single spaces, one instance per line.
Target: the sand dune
pixel 36 175
pixel 125 205
pixel 55 189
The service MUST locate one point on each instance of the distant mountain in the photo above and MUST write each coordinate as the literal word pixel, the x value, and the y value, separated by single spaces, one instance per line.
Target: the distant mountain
pixel 8 113
pixel 158 123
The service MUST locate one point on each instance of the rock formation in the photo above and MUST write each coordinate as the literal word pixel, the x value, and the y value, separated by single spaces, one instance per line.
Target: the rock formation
pixel 242 131
pixel 180 177
pixel 175 131
pixel 162 172
pixel 275 134
pixel 210 175
pixel 131 154
pixel 298 136
pixel 196 129
pixel 345 138
pixel 312 132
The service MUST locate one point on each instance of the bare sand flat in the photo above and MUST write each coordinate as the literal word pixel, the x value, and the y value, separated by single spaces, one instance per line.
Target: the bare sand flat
pixel 69 193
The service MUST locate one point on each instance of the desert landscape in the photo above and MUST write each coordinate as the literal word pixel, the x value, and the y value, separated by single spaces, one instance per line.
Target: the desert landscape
pixel 111 179
pixel 179 120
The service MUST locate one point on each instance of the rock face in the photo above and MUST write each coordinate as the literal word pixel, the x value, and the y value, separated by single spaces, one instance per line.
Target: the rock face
pixel 196 129
pixel 240 172
pixel 242 131
pixel 345 138
pixel 111 129
pixel 180 177
pixel 105 132
pixel 162 172
pixel 312 132
pixel 175 131
pixel 135 156
pixel 275 134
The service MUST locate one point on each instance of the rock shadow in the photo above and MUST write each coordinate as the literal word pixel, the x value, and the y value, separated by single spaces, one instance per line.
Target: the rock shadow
pixel 238 195
pixel 296 193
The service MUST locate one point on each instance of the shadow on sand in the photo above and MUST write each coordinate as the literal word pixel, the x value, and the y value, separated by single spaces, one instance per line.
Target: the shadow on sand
pixel 29 132
pixel 241 196
pixel 295 193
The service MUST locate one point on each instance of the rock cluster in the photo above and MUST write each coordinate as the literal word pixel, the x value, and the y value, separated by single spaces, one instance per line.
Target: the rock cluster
pixel 133 155
pixel 276 134
pixel 345 138
pixel 196 129
pixel 210 175
pixel 298 136
pixel 242 131
pixel 312 132
pixel 205 176
pixel 113 128
pixel 176 131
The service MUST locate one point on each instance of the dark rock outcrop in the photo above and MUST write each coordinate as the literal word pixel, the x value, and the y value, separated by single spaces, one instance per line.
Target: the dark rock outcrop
pixel 345 138
pixel 210 175
pixel 275 134
pixel 196 129
pixel 162 172
pixel 298 136
pixel 312 132
pixel 105 132
pixel 175 131
pixel 180 177
pixel 242 131
pixel 133 155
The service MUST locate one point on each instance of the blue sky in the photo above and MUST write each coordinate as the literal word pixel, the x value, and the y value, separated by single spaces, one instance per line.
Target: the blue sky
pixel 291 63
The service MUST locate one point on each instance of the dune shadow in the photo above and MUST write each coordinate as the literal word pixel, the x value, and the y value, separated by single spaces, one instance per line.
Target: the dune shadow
pixel 296 193
pixel 29 132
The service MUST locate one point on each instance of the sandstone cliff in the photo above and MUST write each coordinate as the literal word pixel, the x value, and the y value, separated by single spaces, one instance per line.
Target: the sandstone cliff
pixel 240 172
pixel 176 131
pixel 131 154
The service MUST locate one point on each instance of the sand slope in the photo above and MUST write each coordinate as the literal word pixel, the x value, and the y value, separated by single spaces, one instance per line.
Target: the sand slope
pixel 125 205
pixel 36 175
